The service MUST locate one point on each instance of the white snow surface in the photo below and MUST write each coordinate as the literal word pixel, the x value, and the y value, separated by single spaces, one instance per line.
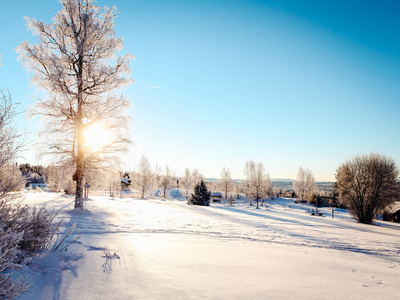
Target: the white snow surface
pixel 166 249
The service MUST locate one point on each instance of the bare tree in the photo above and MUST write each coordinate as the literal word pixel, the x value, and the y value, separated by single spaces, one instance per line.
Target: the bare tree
pixel 144 176
pixel 226 181
pixel 197 177
pixel 300 184
pixel 11 144
pixel 165 180
pixel 11 182
pixel 113 182
pixel 55 177
pixel 311 186
pixel 187 181
pixel 257 181
pixel 304 185
pixel 367 184
pixel 75 63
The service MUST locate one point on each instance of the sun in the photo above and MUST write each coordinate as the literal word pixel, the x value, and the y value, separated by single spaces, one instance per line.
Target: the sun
pixel 96 137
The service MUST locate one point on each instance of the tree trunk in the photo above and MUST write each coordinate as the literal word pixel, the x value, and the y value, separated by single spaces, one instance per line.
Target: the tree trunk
pixel 80 163
pixel 79 189
pixel 80 167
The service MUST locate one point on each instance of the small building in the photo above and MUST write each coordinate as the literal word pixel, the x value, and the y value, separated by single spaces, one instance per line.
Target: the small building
pixel 216 197
pixel 392 213
pixel 125 183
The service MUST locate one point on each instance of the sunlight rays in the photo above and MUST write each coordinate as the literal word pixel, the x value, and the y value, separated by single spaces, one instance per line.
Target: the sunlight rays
pixel 96 137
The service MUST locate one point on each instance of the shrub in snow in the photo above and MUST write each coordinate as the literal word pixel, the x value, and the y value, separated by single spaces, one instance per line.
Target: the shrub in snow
pixel 201 195
pixel 23 231
pixel 37 227
pixel 9 288
pixel 9 248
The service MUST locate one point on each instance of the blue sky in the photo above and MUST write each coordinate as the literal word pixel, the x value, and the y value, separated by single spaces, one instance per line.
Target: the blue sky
pixel 286 83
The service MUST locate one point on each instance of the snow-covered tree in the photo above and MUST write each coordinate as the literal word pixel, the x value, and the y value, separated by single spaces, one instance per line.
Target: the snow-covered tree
pixel 201 195
pixel 10 144
pixel 186 181
pixel 112 180
pixel 9 288
pixel 304 185
pixel 311 186
pixel 257 181
pixel 75 63
pixel 300 184
pixel 165 181
pixel 11 182
pixel 196 177
pixel 144 176
pixel 226 181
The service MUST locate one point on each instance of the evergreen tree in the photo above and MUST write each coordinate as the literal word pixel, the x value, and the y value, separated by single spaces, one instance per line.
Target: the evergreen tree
pixel 201 195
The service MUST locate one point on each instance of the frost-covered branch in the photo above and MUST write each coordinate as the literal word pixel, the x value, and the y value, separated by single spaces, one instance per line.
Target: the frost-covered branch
pixel 75 62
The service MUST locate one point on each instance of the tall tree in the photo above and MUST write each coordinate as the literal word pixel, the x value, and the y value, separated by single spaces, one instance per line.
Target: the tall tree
pixel 311 186
pixel 75 62
pixel 144 176
pixel 226 181
pixel 187 181
pixel 300 184
pixel 197 177
pixel 257 181
pixel 165 181
pixel 367 184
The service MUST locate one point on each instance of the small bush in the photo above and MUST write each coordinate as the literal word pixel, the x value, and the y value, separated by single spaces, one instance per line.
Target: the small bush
pixel 38 228
pixel 9 288
pixel 23 231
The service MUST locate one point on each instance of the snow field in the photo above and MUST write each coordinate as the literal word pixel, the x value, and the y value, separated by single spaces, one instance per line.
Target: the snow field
pixel 166 249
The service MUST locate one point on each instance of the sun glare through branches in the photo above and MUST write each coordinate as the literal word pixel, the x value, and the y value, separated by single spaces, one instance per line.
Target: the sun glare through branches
pixel 96 137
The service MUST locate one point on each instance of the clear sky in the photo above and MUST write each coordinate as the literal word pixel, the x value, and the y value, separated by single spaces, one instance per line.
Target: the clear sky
pixel 286 83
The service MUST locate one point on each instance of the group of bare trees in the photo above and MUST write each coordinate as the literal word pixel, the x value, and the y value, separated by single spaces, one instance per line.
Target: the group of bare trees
pixel 257 181
pixel 144 178
pixel 190 179
pixel 75 63
pixel 304 185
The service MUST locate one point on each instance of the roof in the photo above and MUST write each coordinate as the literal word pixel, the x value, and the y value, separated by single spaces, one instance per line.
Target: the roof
pixel 216 194
pixel 392 208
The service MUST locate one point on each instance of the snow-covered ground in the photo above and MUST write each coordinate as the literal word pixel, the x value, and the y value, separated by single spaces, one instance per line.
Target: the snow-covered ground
pixel 166 249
